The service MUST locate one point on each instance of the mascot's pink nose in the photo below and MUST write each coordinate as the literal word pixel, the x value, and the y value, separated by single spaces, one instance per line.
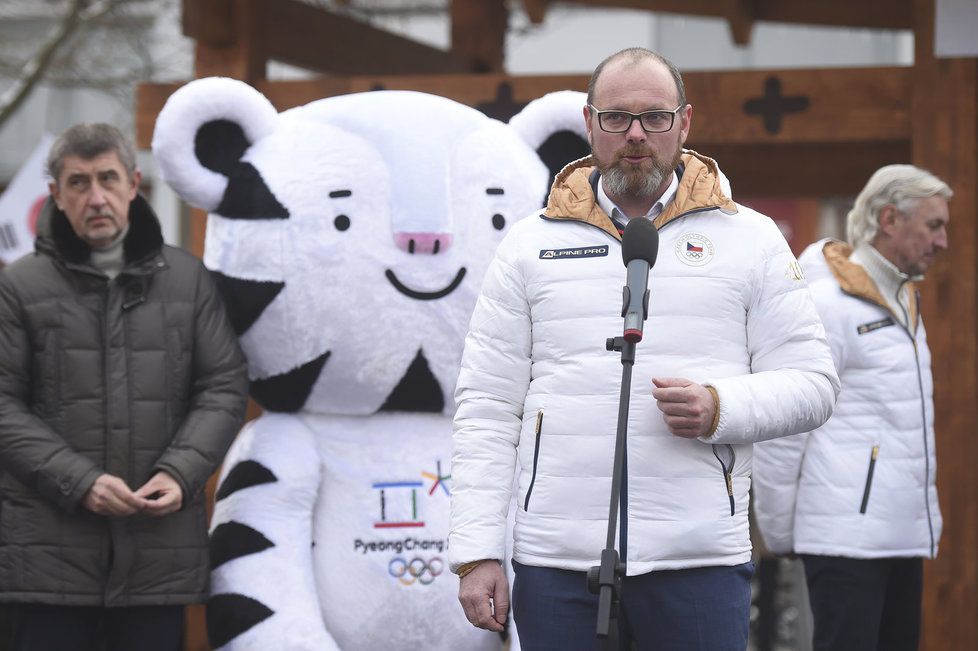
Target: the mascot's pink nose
pixel 433 243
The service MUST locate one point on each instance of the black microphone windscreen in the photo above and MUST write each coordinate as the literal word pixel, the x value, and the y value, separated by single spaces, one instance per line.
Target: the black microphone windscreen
pixel 640 241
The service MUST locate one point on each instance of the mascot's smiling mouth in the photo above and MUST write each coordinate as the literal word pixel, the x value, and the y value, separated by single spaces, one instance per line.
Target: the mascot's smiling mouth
pixel 425 296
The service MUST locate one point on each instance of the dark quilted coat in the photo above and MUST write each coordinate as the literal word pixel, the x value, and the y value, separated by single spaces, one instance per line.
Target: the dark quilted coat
pixel 127 377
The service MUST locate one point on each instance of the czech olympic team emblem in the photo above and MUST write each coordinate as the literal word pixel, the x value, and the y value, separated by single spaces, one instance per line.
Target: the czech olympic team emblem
pixel 417 570
pixel 694 249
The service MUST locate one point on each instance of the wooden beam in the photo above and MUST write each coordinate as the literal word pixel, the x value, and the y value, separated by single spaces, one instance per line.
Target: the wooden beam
pixel 228 35
pixel 945 141
pixel 306 36
pixel 801 169
pixel 843 105
pixel 880 14
pixel 237 37
pixel 479 33
pixel 741 20
pixel 536 10
pixel 840 105
pixel 207 21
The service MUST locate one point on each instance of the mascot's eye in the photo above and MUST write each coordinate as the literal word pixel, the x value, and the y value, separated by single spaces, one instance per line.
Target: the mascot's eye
pixel 498 222
pixel 342 222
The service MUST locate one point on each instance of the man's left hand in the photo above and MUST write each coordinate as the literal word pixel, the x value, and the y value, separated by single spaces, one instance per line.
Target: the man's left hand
pixel 688 407
pixel 163 493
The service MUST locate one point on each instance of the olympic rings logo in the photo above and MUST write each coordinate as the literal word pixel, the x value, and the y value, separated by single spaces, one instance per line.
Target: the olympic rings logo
pixel 417 570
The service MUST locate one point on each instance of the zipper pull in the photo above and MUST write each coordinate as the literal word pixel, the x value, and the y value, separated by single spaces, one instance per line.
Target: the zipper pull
pixel 539 421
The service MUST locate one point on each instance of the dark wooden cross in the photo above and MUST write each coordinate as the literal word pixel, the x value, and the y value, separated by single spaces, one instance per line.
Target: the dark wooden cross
pixel 773 105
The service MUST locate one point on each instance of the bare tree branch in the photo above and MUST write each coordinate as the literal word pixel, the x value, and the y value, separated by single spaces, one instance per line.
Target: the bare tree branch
pixel 79 13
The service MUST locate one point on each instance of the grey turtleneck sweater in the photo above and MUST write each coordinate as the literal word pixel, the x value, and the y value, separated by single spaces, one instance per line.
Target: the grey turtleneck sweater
pixel 890 281
pixel 110 259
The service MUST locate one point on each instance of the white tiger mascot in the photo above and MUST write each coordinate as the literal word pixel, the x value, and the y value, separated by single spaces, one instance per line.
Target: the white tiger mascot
pixel 349 237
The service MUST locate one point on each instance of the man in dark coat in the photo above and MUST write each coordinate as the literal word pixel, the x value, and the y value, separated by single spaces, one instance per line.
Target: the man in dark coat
pixel 121 388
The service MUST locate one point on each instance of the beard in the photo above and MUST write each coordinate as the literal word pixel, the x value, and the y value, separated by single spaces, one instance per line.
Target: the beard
pixel 624 180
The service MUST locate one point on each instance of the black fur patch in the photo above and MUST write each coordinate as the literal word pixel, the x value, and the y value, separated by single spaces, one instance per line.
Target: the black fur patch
pixel 559 149
pixel 230 615
pixel 247 196
pixel 245 299
pixel 288 392
pixel 219 145
pixel 245 474
pixel 232 540
pixel 418 390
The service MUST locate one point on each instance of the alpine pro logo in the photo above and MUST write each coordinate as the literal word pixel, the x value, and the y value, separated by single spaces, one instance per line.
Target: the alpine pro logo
pixel 574 254
pixel 694 249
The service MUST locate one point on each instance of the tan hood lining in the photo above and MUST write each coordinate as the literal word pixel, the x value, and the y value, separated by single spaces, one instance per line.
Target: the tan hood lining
pixel 571 196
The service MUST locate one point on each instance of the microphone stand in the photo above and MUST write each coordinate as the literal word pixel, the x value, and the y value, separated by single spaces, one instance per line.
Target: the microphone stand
pixel 606 579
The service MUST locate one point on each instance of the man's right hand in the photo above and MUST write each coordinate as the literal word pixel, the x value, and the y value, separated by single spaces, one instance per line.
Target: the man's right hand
pixel 109 495
pixel 484 595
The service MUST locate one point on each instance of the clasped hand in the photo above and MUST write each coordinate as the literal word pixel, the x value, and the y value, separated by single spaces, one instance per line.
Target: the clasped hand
pixel 109 495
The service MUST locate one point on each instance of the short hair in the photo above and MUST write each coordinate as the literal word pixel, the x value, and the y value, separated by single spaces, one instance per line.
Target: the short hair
pixel 88 140
pixel 898 185
pixel 634 55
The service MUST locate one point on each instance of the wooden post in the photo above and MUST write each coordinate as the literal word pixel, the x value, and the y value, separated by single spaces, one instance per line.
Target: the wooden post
pixel 479 33
pixel 945 114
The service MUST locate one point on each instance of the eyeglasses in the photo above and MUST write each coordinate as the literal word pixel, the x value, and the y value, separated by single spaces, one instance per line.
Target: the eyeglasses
pixel 621 121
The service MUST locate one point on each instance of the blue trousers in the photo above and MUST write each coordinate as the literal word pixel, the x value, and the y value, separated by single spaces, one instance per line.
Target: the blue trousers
pixel 698 609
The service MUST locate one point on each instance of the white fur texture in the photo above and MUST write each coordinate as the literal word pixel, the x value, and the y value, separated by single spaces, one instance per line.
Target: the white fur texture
pixel 412 164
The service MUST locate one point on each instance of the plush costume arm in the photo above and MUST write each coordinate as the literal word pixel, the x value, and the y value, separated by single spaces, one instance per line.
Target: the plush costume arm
pixel 263 591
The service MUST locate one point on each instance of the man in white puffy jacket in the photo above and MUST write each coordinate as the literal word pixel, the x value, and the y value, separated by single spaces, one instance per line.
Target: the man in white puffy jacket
pixel 856 498
pixel 733 353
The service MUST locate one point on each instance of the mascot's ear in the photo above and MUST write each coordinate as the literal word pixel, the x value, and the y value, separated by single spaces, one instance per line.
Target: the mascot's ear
pixel 202 132
pixel 553 125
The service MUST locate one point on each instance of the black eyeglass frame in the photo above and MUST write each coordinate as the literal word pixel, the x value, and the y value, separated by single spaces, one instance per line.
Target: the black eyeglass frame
pixel 636 116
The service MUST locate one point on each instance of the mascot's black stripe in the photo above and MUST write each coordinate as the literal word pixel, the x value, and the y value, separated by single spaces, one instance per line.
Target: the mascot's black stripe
pixel 245 474
pixel 288 392
pixel 229 615
pixel 425 296
pixel 247 196
pixel 418 390
pixel 232 540
pixel 245 300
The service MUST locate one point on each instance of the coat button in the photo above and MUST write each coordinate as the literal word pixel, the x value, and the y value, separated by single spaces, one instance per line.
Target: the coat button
pixel 66 487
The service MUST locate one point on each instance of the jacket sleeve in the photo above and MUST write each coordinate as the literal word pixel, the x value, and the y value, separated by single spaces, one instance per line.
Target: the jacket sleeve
pixel 776 471
pixel 793 384
pixel 491 389
pixel 30 450
pixel 778 462
pixel 218 395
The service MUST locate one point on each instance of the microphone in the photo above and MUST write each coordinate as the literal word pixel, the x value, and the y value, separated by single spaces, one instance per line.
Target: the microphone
pixel 639 248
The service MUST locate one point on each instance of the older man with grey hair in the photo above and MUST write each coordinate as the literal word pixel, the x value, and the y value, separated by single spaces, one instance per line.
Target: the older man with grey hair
pixel 856 498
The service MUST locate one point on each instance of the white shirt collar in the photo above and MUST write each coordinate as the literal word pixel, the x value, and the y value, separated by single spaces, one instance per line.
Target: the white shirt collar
pixel 610 209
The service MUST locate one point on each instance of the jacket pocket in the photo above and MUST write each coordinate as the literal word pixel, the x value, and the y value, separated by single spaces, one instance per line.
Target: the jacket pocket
pixel 536 459
pixel 869 477
pixel 726 468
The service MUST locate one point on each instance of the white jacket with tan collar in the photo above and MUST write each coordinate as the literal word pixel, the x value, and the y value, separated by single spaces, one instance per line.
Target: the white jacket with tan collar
pixel 538 393
pixel 862 485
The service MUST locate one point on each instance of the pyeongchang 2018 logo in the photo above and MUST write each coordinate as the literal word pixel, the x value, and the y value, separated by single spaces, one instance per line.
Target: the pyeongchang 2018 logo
pixel 574 254
pixel 401 506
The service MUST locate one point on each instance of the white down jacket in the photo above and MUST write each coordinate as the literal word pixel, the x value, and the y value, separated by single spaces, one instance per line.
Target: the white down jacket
pixel 538 392
pixel 862 485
